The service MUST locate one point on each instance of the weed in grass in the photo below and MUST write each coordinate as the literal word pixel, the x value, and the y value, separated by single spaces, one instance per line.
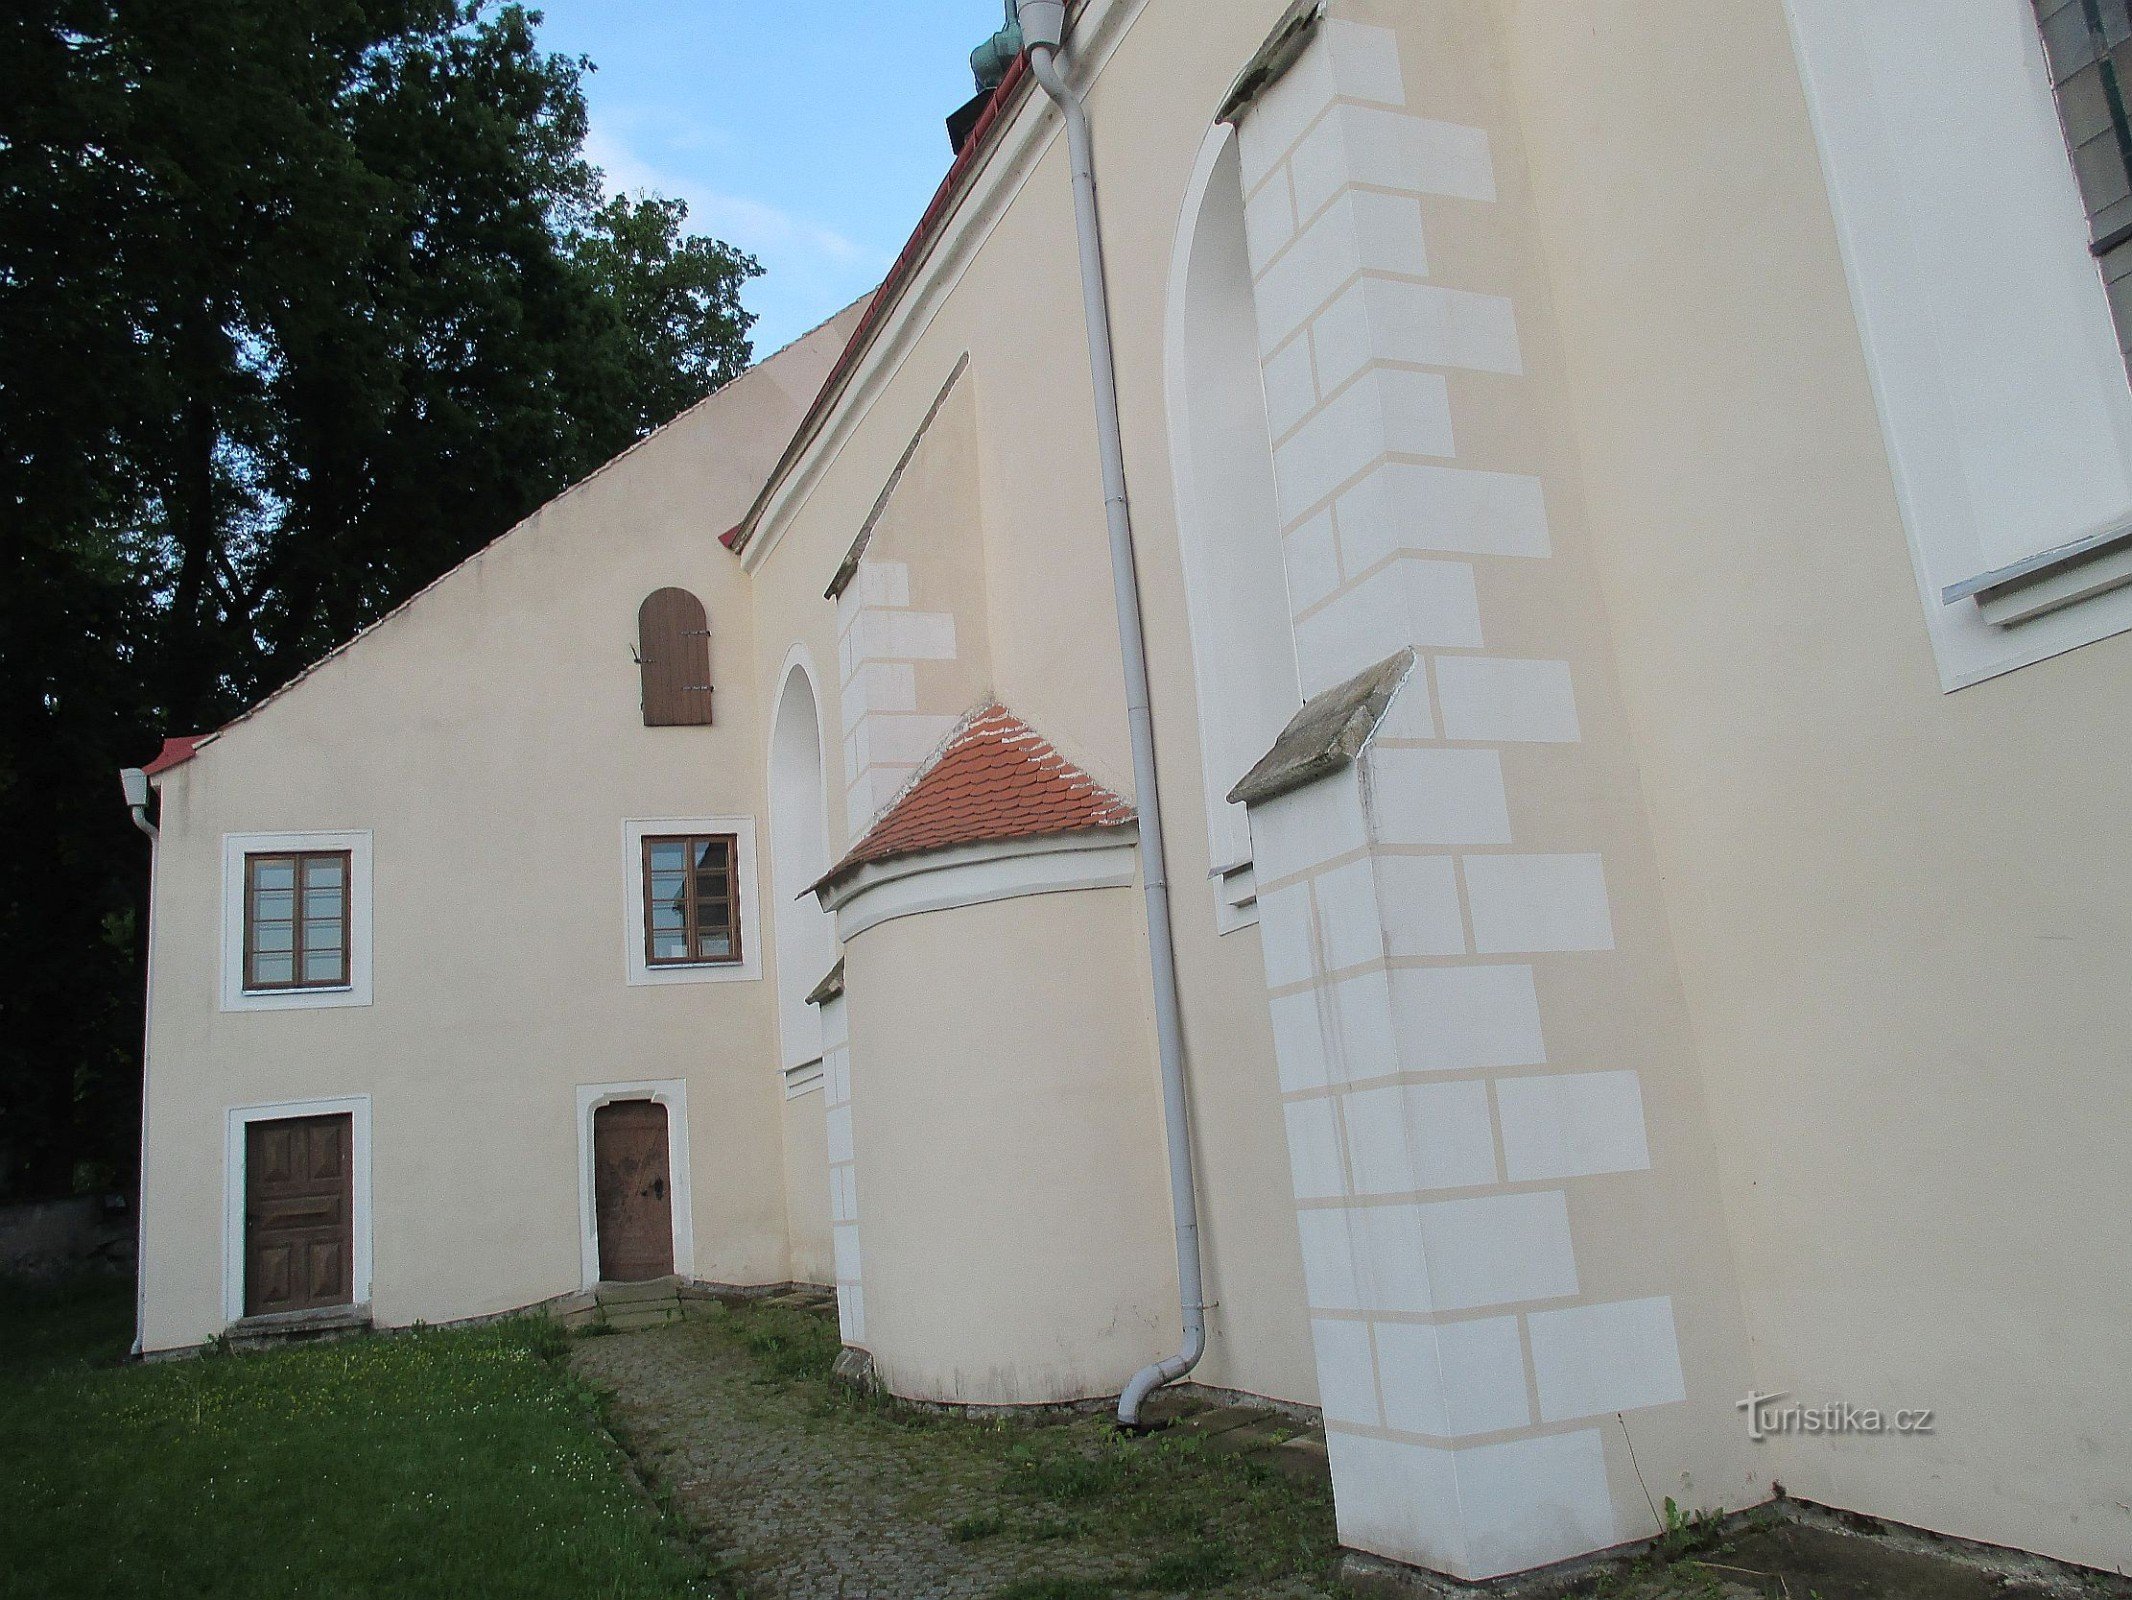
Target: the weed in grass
pixel 983 1525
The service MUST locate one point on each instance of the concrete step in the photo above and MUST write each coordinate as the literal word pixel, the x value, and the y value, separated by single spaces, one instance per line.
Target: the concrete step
pixel 616 1294
pixel 643 1314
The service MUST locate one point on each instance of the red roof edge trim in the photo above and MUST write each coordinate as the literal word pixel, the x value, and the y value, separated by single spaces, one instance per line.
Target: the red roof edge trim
pixel 175 753
pixel 900 273
pixel 726 538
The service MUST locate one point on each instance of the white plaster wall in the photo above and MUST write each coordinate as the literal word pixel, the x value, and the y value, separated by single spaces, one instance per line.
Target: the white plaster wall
pixel 1899 912
pixel 489 738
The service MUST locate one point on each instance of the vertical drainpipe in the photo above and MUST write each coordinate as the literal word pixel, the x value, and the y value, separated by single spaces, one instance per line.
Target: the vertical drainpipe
pixel 135 782
pixel 1043 25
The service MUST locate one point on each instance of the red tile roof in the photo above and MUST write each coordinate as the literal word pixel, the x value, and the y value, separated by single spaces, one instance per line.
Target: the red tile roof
pixel 175 753
pixel 995 778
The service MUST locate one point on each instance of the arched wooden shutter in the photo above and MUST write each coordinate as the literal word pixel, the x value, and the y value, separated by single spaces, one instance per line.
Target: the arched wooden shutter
pixel 674 656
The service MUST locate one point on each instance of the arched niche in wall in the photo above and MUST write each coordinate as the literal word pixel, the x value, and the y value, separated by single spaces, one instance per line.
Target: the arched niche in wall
pixel 799 854
pixel 674 659
pixel 1236 587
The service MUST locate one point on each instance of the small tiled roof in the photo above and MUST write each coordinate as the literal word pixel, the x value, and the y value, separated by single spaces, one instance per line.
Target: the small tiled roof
pixel 995 778
pixel 176 751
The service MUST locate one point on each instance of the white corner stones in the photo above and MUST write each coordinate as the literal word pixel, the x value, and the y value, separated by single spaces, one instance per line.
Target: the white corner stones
pixel 1590 1360
pixel 843 1173
pixel 1389 411
pixel 1314 1149
pixel 1530 903
pixel 1415 507
pixel 1406 1138
pixel 1406 602
pixel 1438 1255
pixel 1531 1501
pixel 1347 1376
pixel 1390 902
pixel 1361 231
pixel 880 641
pixel 1495 700
pixel 1572 1125
pixel 1309 826
pixel 1439 797
pixel 1389 149
pixel 1460 1019
pixel 1477 1512
pixel 1421 893
pixel 1452 1378
pixel 1387 319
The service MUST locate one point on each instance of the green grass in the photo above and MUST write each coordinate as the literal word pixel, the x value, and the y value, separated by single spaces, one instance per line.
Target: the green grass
pixel 1197 1520
pixel 440 1463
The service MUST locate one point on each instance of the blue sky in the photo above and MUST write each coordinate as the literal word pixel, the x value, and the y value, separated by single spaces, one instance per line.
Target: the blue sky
pixel 810 133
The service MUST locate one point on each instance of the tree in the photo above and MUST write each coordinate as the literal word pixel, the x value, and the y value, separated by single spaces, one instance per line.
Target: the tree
pixel 301 301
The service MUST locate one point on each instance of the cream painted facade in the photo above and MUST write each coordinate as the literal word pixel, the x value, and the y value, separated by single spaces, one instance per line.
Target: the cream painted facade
pixel 1707 978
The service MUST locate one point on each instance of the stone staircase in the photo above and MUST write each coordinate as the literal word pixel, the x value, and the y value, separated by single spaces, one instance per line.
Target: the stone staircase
pixel 626 1307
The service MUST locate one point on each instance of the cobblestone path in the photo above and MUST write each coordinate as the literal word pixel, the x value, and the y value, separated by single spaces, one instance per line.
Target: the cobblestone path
pixel 812 1497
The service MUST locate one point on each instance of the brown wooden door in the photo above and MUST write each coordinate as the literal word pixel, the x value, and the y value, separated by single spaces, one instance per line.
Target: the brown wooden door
pixel 299 1214
pixel 632 1207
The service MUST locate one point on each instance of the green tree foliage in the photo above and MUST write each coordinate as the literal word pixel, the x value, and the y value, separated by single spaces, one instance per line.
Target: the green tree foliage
pixel 301 301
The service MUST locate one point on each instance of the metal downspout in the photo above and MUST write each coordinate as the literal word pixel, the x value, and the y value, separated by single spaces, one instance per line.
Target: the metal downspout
pixel 1042 24
pixel 135 782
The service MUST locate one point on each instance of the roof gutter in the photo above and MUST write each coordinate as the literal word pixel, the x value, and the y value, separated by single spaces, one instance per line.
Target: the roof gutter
pixel 1043 24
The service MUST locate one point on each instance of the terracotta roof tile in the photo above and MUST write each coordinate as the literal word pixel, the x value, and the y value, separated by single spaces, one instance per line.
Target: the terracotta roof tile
pixel 995 778
pixel 176 752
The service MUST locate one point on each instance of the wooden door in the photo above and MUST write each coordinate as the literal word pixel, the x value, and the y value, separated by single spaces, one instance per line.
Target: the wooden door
pixel 299 1214
pixel 632 1206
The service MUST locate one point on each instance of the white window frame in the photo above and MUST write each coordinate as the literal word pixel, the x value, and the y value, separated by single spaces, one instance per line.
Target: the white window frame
pixel 357 990
pixel 356 1108
pixel 639 972
pixel 2002 392
pixel 671 1093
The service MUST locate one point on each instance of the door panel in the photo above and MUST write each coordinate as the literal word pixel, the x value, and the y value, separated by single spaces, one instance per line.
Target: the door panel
pixel 299 1214
pixel 631 1198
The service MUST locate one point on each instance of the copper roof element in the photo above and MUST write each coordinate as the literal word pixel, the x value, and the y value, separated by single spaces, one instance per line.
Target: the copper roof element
pixel 995 778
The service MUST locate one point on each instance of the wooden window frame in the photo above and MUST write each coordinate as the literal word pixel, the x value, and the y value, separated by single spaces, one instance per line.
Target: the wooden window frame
pixel 296 981
pixel 691 925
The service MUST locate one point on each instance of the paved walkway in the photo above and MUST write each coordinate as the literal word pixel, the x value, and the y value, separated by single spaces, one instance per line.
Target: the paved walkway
pixel 811 1496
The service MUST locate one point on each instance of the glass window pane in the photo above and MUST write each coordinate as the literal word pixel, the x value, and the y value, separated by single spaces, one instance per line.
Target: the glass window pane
pixel 322 936
pixel 268 969
pixel 666 914
pixel 274 905
pixel 322 966
pixel 669 947
pixel 669 855
pixel 714 947
pixel 668 885
pixel 322 872
pixel 274 936
pixel 322 903
pixel 273 872
pixel 710 852
pixel 2101 166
